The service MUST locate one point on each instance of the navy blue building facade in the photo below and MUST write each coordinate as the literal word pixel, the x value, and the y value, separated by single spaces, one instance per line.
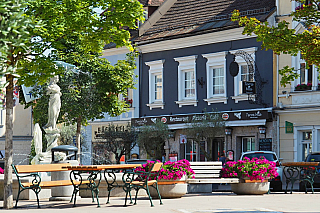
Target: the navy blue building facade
pixel 263 59
pixel 184 71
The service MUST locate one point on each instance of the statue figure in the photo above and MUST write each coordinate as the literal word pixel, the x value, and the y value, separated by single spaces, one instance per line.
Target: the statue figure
pixel 54 103
pixel 37 140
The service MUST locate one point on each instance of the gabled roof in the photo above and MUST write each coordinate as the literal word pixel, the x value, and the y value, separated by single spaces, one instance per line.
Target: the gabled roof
pixel 190 17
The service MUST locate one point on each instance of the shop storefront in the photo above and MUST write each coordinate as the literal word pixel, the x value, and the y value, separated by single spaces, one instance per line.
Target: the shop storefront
pixel 247 130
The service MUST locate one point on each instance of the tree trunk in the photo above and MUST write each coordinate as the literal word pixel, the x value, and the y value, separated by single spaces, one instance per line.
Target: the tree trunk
pixel 8 197
pixel 78 137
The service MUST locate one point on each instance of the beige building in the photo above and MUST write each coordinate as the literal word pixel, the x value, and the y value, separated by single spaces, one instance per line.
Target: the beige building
pixel 22 134
pixel 298 108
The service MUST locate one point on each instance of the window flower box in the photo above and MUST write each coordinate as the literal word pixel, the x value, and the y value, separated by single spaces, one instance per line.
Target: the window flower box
pixel 303 87
pixel 128 102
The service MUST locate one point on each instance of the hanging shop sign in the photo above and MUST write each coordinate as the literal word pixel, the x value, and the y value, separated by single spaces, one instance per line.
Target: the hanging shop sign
pixel 226 116
pixel 249 87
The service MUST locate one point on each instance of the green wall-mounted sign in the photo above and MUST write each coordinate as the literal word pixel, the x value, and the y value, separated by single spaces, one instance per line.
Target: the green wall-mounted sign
pixel 289 127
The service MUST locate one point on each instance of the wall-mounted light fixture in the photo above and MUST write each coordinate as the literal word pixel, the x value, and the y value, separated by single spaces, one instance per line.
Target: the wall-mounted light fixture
pixel 262 130
pixel 228 131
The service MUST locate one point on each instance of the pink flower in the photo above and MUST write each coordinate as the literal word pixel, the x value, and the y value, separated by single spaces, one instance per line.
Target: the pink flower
pixel 1 171
pixel 171 170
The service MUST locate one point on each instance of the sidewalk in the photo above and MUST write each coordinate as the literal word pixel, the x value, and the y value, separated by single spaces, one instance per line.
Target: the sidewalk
pixel 190 203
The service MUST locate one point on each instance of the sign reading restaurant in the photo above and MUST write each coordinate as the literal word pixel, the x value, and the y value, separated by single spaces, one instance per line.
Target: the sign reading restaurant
pixel 226 116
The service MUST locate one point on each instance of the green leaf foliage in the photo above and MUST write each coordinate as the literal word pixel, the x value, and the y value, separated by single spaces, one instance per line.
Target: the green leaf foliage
pixel 282 39
pixel 119 140
pixel 152 139
pixel 205 127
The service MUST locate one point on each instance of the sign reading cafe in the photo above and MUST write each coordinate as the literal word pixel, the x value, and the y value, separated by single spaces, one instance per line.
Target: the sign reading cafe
pixel 226 116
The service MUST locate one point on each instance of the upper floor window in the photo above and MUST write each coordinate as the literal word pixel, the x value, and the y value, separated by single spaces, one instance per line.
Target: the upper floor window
pixel 245 74
pixel 157 87
pixel 216 77
pixel 308 79
pixel 155 84
pixel 187 81
pixel 218 81
pixel 189 84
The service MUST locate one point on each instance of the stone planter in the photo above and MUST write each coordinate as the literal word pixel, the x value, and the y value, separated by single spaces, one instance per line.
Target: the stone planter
pixel 250 187
pixel 170 188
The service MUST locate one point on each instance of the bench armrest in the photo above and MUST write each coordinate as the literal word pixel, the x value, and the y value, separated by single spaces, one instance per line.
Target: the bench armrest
pixel 35 182
pixel 132 176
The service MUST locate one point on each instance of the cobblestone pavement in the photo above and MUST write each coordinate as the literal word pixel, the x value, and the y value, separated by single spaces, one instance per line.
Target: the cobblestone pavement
pixel 216 202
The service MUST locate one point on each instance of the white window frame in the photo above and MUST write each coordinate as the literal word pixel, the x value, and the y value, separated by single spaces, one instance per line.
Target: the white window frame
pixel 315 73
pixel 255 144
pixel 238 96
pixel 298 140
pixel 214 61
pixel 156 68
pixel 186 64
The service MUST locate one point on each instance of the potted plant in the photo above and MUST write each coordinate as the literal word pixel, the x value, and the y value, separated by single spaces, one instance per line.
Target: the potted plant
pixel 253 175
pixel 172 178
pixel 302 87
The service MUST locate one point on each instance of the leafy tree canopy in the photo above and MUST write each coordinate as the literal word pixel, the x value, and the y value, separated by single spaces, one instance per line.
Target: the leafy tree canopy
pixel 152 138
pixel 283 39
pixel 119 140
pixel 57 21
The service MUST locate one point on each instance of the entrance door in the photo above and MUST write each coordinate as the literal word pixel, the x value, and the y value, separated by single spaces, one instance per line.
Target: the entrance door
pixel 306 143
pixel 217 148
pixel 191 150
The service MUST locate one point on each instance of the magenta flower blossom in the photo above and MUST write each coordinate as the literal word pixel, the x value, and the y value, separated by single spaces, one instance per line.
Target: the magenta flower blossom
pixel 254 169
pixel 170 170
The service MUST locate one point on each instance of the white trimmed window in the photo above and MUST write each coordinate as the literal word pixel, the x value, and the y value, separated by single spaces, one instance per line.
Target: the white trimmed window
pixel 244 74
pixel 187 81
pixel 216 78
pixel 308 76
pixel 155 84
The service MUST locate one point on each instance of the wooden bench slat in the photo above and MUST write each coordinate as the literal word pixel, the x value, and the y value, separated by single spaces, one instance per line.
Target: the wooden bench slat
pixel 206 167
pixel 42 168
pixel 218 180
pixel 207 171
pixel 56 183
pixel 206 176
pixel 213 163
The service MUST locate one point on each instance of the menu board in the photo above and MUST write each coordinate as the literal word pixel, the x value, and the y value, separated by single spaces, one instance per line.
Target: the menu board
pixel 265 144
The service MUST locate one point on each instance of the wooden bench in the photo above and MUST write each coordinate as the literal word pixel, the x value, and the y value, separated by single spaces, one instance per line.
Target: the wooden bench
pixel 206 174
pixel 36 184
